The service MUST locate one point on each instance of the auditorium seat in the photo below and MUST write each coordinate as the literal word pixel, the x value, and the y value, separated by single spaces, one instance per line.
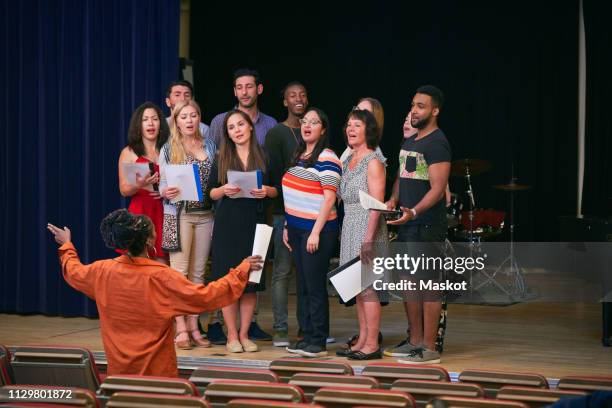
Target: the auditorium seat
pixel 72 396
pixel 492 380
pixel 55 365
pixel 145 385
pixel 252 403
pixel 202 376
pixel 6 375
pixel 535 397
pixel 310 383
pixel 585 383
pixel 285 368
pixel 387 373
pixel 422 391
pixel 140 400
pixel 185 370
pixel 220 392
pixel 332 397
pixel 460 402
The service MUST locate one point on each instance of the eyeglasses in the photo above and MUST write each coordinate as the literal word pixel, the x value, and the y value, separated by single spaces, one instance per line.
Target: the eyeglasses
pixel 356 108
pixel 311 122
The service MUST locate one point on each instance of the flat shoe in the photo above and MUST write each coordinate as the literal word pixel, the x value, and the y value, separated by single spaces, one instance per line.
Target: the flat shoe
pixel 344 352
pixel 234 347
pixel 249 346
pixel 359 355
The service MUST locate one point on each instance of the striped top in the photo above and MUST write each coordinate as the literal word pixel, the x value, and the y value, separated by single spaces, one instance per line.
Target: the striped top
pixel 303 191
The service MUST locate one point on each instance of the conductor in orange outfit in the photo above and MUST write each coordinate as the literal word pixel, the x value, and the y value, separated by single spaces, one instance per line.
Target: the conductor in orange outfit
pixel 137 297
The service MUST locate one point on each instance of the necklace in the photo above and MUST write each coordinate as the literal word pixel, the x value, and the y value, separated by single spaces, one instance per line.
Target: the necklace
pixel 356 159
pixel 292 132
pixel 151 157
pixel 191 145
pixel 294 135
pixel 194 142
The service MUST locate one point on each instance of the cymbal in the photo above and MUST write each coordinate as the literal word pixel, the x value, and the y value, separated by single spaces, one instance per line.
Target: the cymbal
pixel 512 186
pixel 476 166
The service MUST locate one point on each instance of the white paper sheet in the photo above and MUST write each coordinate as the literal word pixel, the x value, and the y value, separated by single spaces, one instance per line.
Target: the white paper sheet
pixel 347 282
pixel 263 233
pixel 131 169
pixel 368 202
pixel 246 180
pixel 186 178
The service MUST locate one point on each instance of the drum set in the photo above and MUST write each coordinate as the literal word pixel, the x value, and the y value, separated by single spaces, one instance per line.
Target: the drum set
pixel 466 222
pixel 473 225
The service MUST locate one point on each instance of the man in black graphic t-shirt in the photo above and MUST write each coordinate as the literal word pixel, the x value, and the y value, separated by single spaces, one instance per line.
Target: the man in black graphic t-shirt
pixel 424 167
pixel 416 156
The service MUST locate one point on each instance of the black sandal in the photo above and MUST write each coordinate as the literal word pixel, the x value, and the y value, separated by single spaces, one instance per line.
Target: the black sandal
pixel 351 342
pixel 360 355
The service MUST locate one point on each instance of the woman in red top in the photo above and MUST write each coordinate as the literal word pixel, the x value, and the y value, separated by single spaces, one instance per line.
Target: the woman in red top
pixel 147 133
pixel 138 298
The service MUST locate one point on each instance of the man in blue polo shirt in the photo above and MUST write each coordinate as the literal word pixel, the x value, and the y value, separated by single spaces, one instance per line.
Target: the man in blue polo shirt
pixel 247 88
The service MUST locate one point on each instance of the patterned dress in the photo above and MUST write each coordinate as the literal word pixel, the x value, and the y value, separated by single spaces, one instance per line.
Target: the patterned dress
pixel 356 217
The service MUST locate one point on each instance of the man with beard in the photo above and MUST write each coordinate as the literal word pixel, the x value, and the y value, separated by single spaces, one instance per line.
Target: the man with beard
pixel 424 167
pixel 247 88
pixel 281 142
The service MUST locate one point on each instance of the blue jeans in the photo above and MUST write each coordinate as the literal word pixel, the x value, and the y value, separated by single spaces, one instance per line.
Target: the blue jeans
pixel 281 272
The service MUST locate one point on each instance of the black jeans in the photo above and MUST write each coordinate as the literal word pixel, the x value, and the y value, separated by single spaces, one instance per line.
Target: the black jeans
pixel 312 279
pixel 421 233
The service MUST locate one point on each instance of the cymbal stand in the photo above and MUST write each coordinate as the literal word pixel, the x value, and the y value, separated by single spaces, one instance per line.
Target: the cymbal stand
pixel 472 204
pixel 515 270
pixel 470 194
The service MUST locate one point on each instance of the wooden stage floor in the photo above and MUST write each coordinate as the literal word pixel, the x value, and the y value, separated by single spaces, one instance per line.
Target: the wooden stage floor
pixel 551 339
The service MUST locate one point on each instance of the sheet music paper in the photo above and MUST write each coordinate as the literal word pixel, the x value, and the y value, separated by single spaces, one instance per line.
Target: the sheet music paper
pixel 246 180
pixel 131 169
pixel 187 178
pixel 370 203
pixel 263 233
pixel 347 279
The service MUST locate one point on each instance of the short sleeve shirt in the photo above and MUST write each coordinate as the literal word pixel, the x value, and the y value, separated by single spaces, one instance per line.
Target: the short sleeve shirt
pixel 414 160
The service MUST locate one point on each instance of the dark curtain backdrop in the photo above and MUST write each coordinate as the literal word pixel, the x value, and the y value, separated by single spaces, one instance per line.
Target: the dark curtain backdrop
pixel 72 73
pixel 597 198
pixel 508 69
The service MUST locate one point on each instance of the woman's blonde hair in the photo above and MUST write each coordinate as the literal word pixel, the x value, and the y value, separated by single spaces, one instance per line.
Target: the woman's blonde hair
pixel 177 152
pixel 377 110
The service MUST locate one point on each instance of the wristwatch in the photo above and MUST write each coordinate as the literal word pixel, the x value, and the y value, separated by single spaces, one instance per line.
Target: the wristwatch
pixel 414 213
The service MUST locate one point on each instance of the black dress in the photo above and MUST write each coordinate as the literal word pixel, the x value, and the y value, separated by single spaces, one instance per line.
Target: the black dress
pixel 234 229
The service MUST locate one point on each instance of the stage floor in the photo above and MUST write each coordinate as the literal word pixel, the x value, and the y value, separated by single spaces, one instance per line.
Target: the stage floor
pixel 550 339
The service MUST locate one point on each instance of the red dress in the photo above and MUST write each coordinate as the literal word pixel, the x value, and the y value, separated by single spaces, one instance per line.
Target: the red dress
pixel 143 203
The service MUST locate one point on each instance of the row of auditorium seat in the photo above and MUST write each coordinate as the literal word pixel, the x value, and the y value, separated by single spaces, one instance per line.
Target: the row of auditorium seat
pixel 235 393
pixel 288 381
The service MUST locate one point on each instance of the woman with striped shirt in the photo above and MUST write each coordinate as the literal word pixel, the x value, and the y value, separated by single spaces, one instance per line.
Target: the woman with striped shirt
pixel 311 230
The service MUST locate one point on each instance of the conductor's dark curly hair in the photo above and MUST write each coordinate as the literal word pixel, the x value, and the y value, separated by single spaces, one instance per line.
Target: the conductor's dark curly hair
pixel 122 230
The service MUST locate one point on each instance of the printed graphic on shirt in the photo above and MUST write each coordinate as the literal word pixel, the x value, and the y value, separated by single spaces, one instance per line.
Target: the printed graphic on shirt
pixel 413 165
